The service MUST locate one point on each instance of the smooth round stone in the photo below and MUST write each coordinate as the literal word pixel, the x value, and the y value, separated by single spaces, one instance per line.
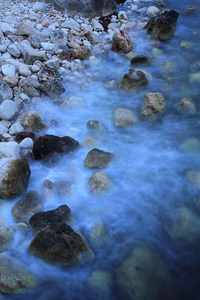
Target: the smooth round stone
pixel 8 109
pixel 124 117
pixel 27 143
pixel 8 70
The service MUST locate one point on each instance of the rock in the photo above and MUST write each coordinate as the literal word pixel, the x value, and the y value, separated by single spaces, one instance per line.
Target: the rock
pixel 133 80
pixel 59 38
pixel 50 82
pixel 8 70
pixel 16 128
pixel 8 109
pixel 13 50
pixel 86 8
pixel 30 54
pixel 32 121
pixel 124 117
pixel 48 46
pixel 48 189
pixel 94 124
pixel 26 29
pixel 39 7
pixel 58 216
pixel 101 282
pixel 121 42
pixel 191 145
pixel 98 235
pixel 27 143
pixel 27 206
pixel 29 86
pixel 90 143
pixel 20 136
pixel 81 53
pixel 48 145
pixel 59 244
pixel 163 26
pixel 140 60
pixel 99 182
pixel 24 70
pixel 71 24
pixel 7 237
pixel 7 29
pixel 3 129
pixel 9 150
pixel 11 81
pixel 14 177
pixel 186 106
pixel 152 11
pixel 97 158
pixel 14 278
pixel 5 91
pixel 194 77
pixel 143 275
pixel 194 177
pixel 154 104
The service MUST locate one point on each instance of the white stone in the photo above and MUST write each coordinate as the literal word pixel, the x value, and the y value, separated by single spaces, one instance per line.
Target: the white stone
pixel 40 6
pixel 122 15
pixel 47 46
pixel 8 109
pixel 35 69
pixel 134 7
pixel 16 128
pixel 13 50
pixel 71 24
pixel 9 150
pixel 53 63
pixel 3 47
pixel 11 80
pixel 23 70
pixel 26 143
pixel 3 129
pixel 153 11
pixel 74 45
pixel 26 29
pixel 87 44
pixel 8 70
pixel 7 28
pixel 96 25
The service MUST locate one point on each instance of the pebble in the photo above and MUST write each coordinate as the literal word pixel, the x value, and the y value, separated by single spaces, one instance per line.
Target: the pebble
pixel 8 109
pixel 8 70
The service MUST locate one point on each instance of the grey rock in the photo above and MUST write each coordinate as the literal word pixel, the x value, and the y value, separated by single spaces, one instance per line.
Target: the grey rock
pixel 32 121
pixel 99 182
pixel 5 91
pixel 39 6
pixel 154 104
pixel 124 117
pixel 30 54
pixel 8 109
pixel 26 29
pixel 97 158
pixel 7 236
pixel 133 80
pixel 14 51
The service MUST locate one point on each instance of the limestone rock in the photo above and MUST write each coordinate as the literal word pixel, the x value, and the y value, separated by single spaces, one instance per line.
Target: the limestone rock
pixel 124 117
pixel 97 158
pixel 99 182
pixel 154 104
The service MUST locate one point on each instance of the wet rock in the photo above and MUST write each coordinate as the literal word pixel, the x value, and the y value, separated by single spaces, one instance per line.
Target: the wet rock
pixel 99 182
pixel 191 145
pixel 194 177
pixel 90 143
pixel 64 188
pixel 86 8
pixel 9 150
pixel 98 234
pixel 14 177
pixel 59 244
pixel 186 106
pixel 48 189
pixel 47 145
pixel 8 109
pixel 27 206
pixel 121 42
pixel 14 278
pixel 191 10
pixel 154 104
pixel 94 124
pixel 97 158
pixel 58 37
pixel 50 82
pixel 57 216
pixel 143 275
pixel 163 26
pixel 32 121
pixel 124 117
pixel 133 80
pixel 25 134
pixel 101 282
pixel 141 60
pixel 5 91
pixel 6 238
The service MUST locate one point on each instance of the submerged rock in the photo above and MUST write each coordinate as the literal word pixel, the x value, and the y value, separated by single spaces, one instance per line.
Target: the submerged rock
pixel 163 26
pixel 100 282
pixel 121 42
pixel 14 177
pixel 143 275
pixel 154 104
pixel 32 121
pixel 47 145
pixel 99 182
pixel 140 60
pixel 133 80
pixel 97 158
pixel 124 117
pixel 191 145
pixel 186 106
pixel 41 220
pixel 30 204
pixel 6 237
pixel 14 278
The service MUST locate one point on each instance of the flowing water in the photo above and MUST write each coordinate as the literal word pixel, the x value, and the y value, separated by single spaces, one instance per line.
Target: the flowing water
pixel 149 184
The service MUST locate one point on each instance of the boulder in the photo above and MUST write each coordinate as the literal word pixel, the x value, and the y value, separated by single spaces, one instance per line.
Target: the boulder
pixel 32 121
pixel 14 278
pixel 154 104
pixel 140 60
pixel 163 26
pixel 133 80
pixel 58 216
pixel 86 8
pixel 143 275
pixel 14 177
pixel 6 237
pixel 5 91
pixel 99 182
pixel 27 206
pixel 97 159
pixel 124 117
pixel 121 42
pixel 48 145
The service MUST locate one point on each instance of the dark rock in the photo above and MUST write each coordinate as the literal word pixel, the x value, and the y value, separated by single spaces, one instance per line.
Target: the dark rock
pixel 59 244
pixel 121 42
pixel 24 134
pixel 14 177
pixel 32 121
pixel 140 60
pixel 30 204
pixel 133 80
pixel 47 145
pixel 56 216
pixel 67 55
pixel 14 278
pixel 163 26
pixel 105 21
pixel 6 237
pixel 120 1
pixel 97 158
pixel 82 53
pixel 5 92
pixel 86 8
pixel 50 82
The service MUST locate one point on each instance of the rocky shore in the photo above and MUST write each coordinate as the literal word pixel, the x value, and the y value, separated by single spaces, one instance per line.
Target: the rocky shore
pixel 43 45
